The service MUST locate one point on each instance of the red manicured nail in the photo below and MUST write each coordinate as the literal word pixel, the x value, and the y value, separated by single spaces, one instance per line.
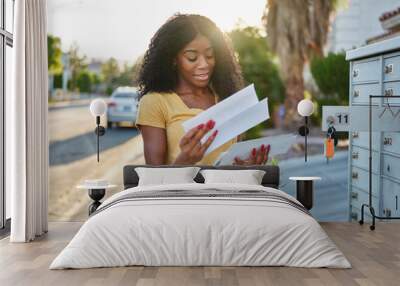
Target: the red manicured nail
pixel 200 126
pixel 268 147
pixel 253 152
pixel 211 124
pixel 262 147
pixel 215 133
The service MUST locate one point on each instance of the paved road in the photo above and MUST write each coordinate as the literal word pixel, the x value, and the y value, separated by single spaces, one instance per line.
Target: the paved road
pixel 68 122
pixel 73 159
pixel 72 138
pixel 331 193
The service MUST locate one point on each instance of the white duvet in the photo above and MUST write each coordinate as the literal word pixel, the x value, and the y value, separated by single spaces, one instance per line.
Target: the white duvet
pixel 200 231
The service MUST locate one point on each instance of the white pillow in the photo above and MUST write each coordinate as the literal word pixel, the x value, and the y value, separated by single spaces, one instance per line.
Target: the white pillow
pixel 164 176
pixel 248 177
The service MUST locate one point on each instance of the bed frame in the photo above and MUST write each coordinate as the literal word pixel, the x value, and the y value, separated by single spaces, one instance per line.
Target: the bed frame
pixel 270 179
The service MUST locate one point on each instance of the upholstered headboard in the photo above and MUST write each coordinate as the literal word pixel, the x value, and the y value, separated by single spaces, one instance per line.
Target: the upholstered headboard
pixel 270 179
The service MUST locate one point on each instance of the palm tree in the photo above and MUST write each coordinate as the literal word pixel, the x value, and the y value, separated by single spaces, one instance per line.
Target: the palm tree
pixel 296 31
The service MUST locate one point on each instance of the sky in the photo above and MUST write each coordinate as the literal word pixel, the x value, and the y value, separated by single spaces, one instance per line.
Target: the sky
pixel 123 28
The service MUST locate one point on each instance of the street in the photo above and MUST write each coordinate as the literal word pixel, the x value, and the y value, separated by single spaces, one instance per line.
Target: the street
pixel 331 199
pixel 73 159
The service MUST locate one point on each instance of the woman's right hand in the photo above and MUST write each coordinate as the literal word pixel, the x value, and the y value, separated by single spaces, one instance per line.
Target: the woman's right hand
pixel 192 150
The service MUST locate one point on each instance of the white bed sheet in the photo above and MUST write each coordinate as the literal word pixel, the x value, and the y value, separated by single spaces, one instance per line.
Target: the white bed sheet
pixel 200 231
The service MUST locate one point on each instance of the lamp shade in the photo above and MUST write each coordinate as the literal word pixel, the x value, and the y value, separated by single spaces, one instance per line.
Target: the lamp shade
pixel 305 107
pixel 98 107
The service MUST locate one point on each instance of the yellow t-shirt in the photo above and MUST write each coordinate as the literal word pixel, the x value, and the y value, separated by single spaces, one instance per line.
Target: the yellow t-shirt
pixel 168 111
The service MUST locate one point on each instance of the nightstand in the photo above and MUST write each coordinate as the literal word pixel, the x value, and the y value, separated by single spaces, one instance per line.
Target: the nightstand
pixel 96 193
pixel 305 190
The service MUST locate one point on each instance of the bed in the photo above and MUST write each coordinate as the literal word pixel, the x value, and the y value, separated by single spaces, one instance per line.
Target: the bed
pixel 198 224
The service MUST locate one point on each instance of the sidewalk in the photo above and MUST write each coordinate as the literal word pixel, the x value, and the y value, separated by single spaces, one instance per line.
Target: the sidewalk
pixel 315 142
pixel 73 103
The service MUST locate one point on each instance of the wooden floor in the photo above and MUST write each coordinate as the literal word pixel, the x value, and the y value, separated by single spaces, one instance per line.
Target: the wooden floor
pixel 375 257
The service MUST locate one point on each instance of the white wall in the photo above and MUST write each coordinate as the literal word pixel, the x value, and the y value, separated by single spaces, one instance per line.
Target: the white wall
pixel 8 142
pixel 356 23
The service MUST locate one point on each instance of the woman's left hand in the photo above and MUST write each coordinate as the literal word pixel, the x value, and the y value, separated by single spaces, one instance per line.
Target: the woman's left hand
pixel 257 157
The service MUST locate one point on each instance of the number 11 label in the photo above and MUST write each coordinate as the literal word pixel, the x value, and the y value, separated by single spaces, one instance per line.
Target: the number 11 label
pixel 341 118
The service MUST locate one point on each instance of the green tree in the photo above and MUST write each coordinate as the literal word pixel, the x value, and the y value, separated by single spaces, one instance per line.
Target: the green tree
pixel 126 76
pixel 77 64
pixel 96 79
pixel 84 81
pixel 58 81
pixel 96 82
pixel 136 68
pixel 110 72
pixel 258 67
pixel 257 63
pixel 54 60
pixel 331 74
pixel 297 30
pixel 54 54
pixel 114 76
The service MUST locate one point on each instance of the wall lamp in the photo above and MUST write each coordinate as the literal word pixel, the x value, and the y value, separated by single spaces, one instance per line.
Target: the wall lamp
pixel 305 108
pixel 98 107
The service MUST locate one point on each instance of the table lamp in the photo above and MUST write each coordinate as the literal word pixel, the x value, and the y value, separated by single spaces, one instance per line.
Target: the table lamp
pixel 305 108
pixel 98 107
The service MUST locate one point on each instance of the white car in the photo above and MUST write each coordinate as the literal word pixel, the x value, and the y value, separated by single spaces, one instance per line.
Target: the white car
pixel 122 106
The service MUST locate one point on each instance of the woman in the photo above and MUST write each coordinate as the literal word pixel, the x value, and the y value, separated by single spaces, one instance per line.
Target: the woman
pixel 188 68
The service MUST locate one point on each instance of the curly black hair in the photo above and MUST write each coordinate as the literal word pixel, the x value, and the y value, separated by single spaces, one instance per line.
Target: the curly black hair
pixel 157 73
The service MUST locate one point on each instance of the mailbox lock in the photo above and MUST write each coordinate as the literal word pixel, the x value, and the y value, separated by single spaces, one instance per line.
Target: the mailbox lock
pixel 354 216
pixel 387 212
pixel 387 141
pixel 388 92
pixel 389 68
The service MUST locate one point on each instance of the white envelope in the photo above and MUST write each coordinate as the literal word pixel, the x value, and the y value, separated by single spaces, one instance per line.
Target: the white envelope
pixel 280 144
pixel 233 116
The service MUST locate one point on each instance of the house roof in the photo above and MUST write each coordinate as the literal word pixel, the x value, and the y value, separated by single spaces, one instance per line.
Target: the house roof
pixel 389 14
